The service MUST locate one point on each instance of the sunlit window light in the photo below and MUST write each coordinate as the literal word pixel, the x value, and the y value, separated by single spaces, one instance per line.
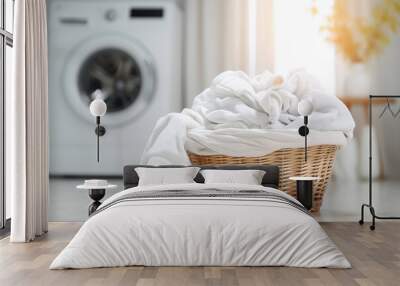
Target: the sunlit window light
pixel 299 42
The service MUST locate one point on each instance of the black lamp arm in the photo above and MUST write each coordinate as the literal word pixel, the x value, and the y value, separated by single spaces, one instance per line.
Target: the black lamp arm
pixel 100 131
pixel 303 131
pixel 305 137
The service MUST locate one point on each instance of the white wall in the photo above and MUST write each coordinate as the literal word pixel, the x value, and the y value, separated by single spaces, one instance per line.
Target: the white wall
pixel 385 79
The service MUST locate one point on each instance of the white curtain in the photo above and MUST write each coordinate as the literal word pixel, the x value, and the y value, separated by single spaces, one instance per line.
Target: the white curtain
pixel 216 38
pixel 27 124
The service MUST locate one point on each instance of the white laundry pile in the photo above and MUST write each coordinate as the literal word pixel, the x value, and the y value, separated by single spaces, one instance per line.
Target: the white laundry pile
pixel 240 115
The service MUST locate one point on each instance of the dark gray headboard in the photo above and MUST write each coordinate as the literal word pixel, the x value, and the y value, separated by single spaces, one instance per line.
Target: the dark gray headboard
pixel 271 178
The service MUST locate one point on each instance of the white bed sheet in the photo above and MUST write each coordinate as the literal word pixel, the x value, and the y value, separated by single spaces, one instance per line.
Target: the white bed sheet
pixel 192 231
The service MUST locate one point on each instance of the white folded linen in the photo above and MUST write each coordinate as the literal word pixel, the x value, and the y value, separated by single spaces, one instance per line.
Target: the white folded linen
pixel 242 116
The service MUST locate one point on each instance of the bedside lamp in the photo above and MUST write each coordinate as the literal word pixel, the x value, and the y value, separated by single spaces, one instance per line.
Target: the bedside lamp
pixel 98 108
pixel 305 108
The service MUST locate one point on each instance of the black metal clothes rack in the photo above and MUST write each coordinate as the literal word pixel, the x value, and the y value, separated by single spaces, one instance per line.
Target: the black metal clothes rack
pixel 370 204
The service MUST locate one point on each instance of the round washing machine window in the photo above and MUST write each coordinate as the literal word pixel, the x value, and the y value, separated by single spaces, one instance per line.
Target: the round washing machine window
pixel 116 73
pixel 120 67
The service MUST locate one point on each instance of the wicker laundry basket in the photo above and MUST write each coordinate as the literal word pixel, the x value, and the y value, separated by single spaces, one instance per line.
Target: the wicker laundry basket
pixel 291 163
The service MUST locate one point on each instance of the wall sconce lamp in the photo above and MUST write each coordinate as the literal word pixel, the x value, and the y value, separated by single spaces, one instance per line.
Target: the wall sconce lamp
pixel 98 108
pixel 305 108
pixel 304 185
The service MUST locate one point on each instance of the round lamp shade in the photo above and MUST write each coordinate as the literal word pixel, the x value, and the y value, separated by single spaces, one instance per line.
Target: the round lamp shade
pixel 305 107
pixel 98 107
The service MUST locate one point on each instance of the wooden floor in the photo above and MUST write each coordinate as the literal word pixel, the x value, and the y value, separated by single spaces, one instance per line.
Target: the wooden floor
pixel 375 257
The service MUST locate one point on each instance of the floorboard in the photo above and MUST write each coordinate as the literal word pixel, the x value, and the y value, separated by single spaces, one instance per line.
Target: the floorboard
pixel 375 257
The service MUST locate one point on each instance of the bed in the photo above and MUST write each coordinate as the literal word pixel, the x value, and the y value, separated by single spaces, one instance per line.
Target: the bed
pixel 200 224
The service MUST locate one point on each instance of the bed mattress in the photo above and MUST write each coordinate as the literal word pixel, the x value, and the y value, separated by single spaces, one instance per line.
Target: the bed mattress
pixel 201 225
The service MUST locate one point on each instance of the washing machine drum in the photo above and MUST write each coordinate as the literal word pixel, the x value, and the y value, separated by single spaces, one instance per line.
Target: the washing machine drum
pixel 114 72
pixel 124 73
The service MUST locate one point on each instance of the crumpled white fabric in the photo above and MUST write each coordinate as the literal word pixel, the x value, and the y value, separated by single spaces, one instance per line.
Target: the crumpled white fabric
pixel 240 115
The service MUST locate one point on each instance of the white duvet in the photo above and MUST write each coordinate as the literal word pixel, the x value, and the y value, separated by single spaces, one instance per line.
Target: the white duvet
pixel 200 231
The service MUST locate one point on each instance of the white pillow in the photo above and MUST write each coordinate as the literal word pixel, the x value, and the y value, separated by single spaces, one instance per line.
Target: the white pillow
pixel 248 177
pixel 165 176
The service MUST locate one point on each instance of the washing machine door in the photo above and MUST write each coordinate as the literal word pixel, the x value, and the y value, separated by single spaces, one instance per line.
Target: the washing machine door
pixel 122 68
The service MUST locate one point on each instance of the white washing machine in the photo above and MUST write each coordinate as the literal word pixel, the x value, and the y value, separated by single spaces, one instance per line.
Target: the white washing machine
pixel 131 50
